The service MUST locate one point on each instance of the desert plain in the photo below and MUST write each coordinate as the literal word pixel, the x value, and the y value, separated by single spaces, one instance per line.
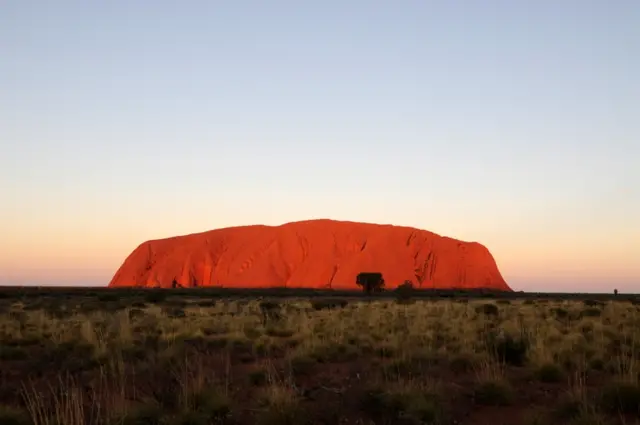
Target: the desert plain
pixel 145 356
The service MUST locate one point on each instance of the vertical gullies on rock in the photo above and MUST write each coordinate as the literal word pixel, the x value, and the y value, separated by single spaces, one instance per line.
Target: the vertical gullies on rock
pixel 411 237
pixel 432 267
pixel 333 275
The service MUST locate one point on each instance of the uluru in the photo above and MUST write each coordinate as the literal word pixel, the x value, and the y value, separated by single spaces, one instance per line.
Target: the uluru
pixel 310 254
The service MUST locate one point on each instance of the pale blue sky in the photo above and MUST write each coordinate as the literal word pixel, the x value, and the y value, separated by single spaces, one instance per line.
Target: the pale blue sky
pixel 513 123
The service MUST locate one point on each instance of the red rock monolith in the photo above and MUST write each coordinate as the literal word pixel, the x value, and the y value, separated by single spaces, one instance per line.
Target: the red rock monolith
pixel 310 254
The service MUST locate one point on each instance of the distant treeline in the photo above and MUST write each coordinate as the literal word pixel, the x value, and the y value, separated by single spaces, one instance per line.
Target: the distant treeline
pixel 217 292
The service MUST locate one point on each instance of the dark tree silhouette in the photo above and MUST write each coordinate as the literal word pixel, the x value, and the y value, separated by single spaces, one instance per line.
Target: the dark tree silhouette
pixel 370 282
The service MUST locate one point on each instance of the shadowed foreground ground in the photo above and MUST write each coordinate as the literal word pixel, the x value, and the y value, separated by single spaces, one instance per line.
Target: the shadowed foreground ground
pixel 75 359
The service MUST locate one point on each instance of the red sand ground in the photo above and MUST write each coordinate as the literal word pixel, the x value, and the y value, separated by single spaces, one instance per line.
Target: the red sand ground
pixel 310 254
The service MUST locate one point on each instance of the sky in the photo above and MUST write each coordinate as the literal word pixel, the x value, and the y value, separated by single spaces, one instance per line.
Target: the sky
pixel 514 123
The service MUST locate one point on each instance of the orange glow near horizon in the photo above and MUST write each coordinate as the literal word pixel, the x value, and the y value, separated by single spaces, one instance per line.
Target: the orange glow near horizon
pixel 86 254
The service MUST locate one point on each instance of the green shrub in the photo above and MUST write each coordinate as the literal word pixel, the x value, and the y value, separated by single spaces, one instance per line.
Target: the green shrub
pixel 144 415
pixel 560 313
pixel 550 372
pixel 509 349
pixel 212 404
pixel 488 309
pixel 258 377
pixel 591 312
pixel 493 393
pixel 621 397
pixel 10 415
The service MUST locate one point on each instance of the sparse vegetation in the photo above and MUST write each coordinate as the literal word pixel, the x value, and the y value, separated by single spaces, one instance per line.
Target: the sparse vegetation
pixel 175 358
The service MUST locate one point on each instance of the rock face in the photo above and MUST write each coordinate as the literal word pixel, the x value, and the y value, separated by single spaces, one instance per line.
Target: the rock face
pixel 310 254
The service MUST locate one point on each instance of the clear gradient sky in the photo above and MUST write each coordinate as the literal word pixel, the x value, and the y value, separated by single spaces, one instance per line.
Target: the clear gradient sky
pixel 513 123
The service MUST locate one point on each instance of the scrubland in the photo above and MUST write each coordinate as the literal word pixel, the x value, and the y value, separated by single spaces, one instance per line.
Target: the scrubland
pixel 195 361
